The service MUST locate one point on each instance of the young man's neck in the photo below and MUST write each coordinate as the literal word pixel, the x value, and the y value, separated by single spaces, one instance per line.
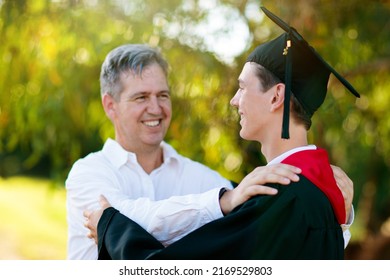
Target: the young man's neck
pixel 275 145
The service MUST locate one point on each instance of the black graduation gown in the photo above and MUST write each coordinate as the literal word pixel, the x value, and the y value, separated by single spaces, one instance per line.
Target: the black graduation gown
pixel 297 223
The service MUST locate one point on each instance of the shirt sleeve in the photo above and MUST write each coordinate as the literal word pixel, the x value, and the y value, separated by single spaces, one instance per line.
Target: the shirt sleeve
pixel 170 219
pixel 167 220
pixel 83 187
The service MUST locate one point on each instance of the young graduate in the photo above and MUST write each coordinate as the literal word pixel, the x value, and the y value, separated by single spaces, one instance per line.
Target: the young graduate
pixel 283 83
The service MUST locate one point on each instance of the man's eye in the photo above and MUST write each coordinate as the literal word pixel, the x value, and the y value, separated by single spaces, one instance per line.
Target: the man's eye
pixel 164 96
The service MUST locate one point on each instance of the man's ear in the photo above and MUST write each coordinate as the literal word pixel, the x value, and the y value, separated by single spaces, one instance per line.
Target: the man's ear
pixel 108 103
pixel 277 97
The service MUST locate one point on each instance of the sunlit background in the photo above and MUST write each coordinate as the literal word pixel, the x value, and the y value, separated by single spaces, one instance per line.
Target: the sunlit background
pixel 50 112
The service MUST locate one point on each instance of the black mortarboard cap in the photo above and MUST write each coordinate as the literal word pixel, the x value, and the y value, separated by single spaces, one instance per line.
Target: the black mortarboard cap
pixel 299 66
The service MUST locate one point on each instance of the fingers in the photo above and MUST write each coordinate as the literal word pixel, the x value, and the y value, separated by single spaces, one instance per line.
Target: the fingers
pixel 104 202
pixel 91 234
pixel 287 171
pixel 280 179
pixel 278 173
pixel 341 176
pixel 87 213
pixel 89 224
pixel 344 183
pixel 92 218
pixel 286 167
pixel 238 196
pixel 261 190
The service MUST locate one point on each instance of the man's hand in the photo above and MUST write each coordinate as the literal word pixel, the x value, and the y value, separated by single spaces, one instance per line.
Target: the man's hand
pixel 93 217
pixel 253 184
pixel 345 184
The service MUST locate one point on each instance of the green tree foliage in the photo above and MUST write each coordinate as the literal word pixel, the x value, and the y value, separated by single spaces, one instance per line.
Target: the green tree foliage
pixel 50 57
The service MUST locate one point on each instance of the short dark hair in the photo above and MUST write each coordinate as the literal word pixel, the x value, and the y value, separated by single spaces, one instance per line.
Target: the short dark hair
pixel 125 58
pixel 268 80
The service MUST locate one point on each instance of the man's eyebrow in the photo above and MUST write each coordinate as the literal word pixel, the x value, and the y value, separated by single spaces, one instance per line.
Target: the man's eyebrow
pixel 138 93
pixel 166 91
pixel 134 95
pixel 147 93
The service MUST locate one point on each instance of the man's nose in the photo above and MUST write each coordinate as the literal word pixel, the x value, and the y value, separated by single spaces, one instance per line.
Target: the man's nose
pixel 154 106
pixel 234 100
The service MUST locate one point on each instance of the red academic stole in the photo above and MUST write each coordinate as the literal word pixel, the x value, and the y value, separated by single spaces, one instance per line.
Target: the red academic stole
pixel 315 167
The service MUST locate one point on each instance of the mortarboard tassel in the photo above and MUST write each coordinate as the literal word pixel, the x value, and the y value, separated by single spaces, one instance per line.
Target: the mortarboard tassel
pixel 286 111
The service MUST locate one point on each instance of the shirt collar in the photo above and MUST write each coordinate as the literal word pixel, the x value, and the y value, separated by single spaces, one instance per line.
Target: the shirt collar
pixel 281 157
pixel 118 156
pixel 114 153
pixel 169 153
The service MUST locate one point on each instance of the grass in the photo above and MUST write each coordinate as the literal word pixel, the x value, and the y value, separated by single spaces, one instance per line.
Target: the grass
pixel 33 220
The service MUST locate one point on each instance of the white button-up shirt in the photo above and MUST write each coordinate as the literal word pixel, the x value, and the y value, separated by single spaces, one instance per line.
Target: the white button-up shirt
pixel 151 200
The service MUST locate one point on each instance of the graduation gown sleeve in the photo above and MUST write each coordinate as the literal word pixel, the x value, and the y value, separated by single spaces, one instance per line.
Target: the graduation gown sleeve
pixel 300 224
pixel 122 239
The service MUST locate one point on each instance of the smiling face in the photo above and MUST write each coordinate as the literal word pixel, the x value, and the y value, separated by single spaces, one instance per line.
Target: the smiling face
pixel 252 104
pixel 142 114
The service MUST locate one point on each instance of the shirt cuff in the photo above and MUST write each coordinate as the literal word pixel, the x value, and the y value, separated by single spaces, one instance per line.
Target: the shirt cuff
pixel 350 220
pixel 345 227
pixel 347 237
pixel 216 211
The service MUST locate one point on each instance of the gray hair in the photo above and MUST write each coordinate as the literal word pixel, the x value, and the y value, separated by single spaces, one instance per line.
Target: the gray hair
pixel 127 58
